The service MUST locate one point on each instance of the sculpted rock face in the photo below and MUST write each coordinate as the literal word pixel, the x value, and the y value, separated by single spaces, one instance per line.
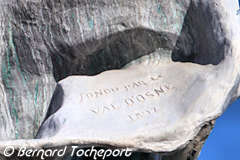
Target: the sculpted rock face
pixel 26 79
pixel 179 63
pixel 156 102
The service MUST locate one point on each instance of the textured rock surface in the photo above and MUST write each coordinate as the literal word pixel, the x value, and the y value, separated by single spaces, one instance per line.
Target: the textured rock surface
pixel 61 38
pixel 173 100
pixel 26 78
pixel 42 39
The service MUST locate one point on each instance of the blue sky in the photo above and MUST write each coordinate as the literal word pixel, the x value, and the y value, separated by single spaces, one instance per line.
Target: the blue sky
pixel 224 141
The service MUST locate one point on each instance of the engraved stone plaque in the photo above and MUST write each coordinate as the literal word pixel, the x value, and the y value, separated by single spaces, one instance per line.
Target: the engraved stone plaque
pixel 150 105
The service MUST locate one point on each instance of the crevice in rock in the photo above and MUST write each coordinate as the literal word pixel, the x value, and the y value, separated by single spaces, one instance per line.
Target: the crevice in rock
pixel 202 37
pixel 112 52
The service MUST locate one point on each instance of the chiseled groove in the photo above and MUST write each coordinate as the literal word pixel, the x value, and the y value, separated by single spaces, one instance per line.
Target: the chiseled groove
pixel 37 120
pixel 37 114
pixel 65 25
pixel 68 22
pixel 47 29
pixel 6 113
pixel 10 89
pixel 53 46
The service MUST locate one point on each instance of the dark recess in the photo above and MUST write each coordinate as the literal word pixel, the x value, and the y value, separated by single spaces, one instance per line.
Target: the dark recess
pixel 198 43
pixel 112 52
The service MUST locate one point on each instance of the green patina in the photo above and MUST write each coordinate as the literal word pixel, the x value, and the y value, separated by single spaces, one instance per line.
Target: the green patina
pixel 73 15
pixel 78 19
pixel 37 98
pixel 176 15
pixel 162 14
pixel 13 49
pixel 6 70
pixel 36 93
pixel 36 105
pixel 6 75
pixel 17 134
pixel 73 18
pixel 159 8
pixel 91 23
pixel 23 77
pixel 59 60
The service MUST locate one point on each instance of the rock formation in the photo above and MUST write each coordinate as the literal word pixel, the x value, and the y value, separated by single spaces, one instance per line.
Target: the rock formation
pixel 168 70
pixel 27 81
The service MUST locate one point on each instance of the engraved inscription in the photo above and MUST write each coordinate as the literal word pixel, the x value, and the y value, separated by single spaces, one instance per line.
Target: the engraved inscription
pixel 134 98
pixel 139 115
pixel 108 91
pixel 103 109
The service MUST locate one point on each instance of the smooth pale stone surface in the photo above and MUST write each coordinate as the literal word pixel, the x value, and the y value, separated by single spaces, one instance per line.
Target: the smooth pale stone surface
pixel 148 105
